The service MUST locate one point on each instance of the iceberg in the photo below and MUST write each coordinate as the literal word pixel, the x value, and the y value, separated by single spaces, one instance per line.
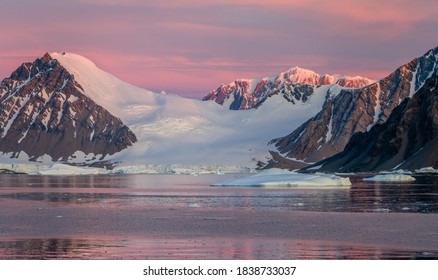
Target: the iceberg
pixel 283 178
pixel 394 177
pixel 426 170
pixel 398 171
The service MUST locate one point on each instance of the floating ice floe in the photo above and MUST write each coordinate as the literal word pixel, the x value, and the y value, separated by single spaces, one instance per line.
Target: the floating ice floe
pixel 426 170
pixel 398 171
pixel 282 178
pixel 394 177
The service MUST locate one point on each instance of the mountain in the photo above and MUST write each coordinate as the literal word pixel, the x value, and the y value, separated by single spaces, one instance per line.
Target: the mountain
pixel 156 130
pixel 65 108
pixel 354 110
pixel 407 140
pixel 295 85
pixel 44 112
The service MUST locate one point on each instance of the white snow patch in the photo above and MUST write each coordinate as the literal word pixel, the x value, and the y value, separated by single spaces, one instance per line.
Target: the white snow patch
pixel 299 136
pixel 23 156
pixel 301 160
pixel 61 106
pixel 283 178
pixel 47 114
pixel 315 167
pixel 23 136
pixel 81 157
pixel 377 108
pixel 45 159
pixel 413 81
pixel 330 127
pixel 391 178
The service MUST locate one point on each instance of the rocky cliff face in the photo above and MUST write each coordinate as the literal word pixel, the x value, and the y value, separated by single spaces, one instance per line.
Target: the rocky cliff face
pixel 355 110
pixel 407 140
pixel 43 111
pixel 294 85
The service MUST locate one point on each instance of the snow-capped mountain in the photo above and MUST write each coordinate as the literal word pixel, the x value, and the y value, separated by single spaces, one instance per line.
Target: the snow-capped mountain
pixel 407 140
pixel 169 129
pixel 44 113
pixel 355 110
pixel 295 85
pixel 62 107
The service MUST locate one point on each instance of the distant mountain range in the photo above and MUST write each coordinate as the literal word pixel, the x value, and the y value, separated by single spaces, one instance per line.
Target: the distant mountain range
pixel 295 85
pixel 63 108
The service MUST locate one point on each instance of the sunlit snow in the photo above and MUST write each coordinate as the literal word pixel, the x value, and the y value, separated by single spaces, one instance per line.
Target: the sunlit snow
pixel 176 130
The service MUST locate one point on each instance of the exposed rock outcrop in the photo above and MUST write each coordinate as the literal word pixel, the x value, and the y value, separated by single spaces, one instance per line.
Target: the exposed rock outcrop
pixel 407 140
pixel 43 111
pixel 295 85
pixel 355 110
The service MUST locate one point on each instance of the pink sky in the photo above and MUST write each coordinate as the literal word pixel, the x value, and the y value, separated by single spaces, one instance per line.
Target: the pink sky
pixel 190 47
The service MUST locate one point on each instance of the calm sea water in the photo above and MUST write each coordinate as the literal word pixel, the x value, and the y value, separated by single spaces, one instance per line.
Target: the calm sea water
pixel 143 192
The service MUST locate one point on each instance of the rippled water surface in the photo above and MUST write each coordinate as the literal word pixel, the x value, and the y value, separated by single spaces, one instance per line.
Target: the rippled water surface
pixel 195 191
pixel 142 192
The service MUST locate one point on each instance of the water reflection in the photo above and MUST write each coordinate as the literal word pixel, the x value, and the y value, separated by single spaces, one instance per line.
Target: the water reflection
pixel 418 197
pixel 135 248
pixel 143 192
pixel 180 191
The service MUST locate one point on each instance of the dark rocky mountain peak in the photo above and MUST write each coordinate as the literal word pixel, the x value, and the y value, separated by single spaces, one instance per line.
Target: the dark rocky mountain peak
pixel 407 140
pixel 44 111
pixel 355 110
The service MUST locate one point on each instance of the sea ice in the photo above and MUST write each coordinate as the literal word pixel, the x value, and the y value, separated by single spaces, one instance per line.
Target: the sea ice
pixel 283 178
pixel 391 178
pixel 426 170
pixel 398 171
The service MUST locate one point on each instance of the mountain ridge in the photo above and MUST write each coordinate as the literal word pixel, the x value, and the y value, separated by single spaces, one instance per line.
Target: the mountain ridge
pixel 44 113
pixel 175 130
pixel 355 110
pixel 168 129
pixel 407 140
pixel 295 84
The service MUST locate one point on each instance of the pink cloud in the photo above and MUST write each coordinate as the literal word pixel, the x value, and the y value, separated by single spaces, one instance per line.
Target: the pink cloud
pixel 193 46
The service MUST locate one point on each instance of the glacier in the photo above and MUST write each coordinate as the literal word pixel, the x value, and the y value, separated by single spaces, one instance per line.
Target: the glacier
pixel 176 130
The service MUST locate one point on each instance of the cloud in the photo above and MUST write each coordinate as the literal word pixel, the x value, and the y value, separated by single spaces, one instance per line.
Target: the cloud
pixel 184 45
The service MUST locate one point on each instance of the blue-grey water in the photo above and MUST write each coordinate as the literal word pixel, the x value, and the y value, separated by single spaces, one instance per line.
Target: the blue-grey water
pixel 27 200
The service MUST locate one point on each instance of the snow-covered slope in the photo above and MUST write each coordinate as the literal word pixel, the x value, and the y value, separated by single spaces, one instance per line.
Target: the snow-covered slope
pixel 176 130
